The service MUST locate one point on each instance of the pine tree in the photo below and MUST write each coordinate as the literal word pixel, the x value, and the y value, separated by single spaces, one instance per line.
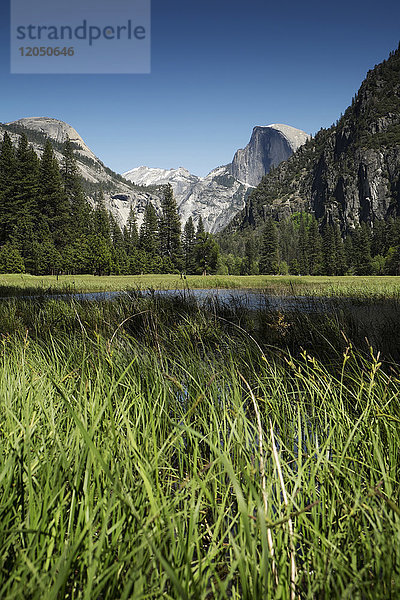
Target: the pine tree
pixel 11 260
pixel 303 246
pixel 78 207
pixel 341 265
pixel 379 242
pixel 24 210
pixel 288 241
pixel 249 264
pixel 329 250
pixel 149 238
pixel 269 259
pixel 362 260
pixel 131 235
pixel 189 243
pixel 170 229
pixel 53 206
pixel 206 253
pixel 315 257
pixel 119 257
pixel 7 186
pixel 101 219
pixel 200 228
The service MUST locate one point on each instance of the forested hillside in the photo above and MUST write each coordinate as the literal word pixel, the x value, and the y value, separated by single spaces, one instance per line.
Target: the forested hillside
pixel 48 226
pixel 346 181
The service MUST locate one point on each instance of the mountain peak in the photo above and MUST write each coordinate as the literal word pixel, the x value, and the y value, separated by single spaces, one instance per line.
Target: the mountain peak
pixel 269 145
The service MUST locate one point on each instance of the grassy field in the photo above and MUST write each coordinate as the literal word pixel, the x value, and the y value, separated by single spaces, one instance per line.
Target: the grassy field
pixel 382 286
pixel 154 449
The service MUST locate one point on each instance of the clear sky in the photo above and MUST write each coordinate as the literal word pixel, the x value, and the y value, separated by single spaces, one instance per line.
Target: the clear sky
pixel 218 69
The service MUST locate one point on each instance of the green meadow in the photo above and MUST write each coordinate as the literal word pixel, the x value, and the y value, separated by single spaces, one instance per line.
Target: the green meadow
pixel 152 448
pixel 382 286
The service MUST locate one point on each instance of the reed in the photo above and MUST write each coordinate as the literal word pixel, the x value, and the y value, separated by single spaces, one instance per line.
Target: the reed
pixel 153 448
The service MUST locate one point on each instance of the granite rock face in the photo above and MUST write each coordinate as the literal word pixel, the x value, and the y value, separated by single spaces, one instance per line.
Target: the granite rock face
pixel 349 173
pixel 268 147
pixel 119 195
pixel 216 198
pixel 219 196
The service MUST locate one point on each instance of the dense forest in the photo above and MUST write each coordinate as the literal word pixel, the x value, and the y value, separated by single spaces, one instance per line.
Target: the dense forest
pixel 300 245
pixel 48 226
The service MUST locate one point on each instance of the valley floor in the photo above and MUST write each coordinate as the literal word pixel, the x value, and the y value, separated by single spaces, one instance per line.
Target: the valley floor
pixel 353 286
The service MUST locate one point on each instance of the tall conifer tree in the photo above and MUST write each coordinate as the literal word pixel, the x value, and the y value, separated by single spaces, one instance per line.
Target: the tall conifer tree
pixel 269 259
pixel 170 229
pixel 7 186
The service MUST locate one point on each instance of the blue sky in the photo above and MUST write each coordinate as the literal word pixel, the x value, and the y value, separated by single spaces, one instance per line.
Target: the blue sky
pixel 218 69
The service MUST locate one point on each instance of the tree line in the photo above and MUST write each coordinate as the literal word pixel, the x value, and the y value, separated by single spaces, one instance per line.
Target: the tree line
pixel 299 246
pixel 48 226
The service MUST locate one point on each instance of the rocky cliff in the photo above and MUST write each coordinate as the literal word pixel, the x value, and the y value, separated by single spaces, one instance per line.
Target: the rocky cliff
pixel 268 147
pixel 349 173
pixel 120 195
pixel 219 196
pixel 216 198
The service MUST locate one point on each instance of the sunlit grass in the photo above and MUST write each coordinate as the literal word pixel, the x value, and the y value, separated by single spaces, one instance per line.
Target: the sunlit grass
pixel 378 286
pixel 137 447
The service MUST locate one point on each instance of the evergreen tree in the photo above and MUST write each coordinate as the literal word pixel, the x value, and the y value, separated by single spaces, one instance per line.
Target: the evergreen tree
pixel 119 257
pixel 79 210
pixel 362 260
pixel 149 239
pixel 269 259
pixel 379 242
pixel 7 186
pixel 206 253
pixel 101 224
pixel 24 210
pixel 329 250
pixel 249 264
pixel 315 256
pixel 11 260
pixel 303 257
pixel 288 241
pixel 200 228
pixel 349 253
pixel 341 265
pixel 53 207
pixel 189 242
pixel 170 229
pixel 131 236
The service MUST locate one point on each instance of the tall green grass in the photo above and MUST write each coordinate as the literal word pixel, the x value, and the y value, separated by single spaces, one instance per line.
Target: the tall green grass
pixel 153 449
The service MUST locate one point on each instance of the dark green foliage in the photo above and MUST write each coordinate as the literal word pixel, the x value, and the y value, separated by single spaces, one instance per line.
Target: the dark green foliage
pixel 269 259
pixel 303 246
pixel 149 234
pixel 360 152
pixel 78 207
pixel 11 260
pixel 206 253
pixel 131 235
pixel 189 242
pixel 249 262
pixel 170 230
pixel 23 210
pixel 7 186
pixel 53 205
pixel 361 257
pixel 314 250
pixel 47 226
